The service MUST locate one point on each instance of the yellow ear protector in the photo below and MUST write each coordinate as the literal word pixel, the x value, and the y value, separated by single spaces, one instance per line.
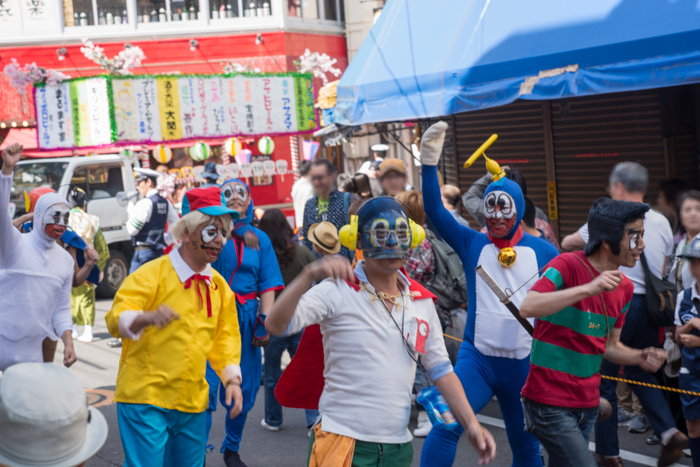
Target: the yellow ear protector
pixel 348 233
pixel 491 165
pixel 27 202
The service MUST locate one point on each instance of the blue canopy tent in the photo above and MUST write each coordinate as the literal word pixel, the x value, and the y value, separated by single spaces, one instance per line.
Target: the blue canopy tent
pixel 430 58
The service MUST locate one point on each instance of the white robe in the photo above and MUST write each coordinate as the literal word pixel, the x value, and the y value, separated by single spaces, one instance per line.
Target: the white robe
pixel 36 277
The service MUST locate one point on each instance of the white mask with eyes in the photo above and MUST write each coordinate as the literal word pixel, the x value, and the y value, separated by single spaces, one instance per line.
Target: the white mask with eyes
pixel 210 232
pixel 57 214
pixel 499 205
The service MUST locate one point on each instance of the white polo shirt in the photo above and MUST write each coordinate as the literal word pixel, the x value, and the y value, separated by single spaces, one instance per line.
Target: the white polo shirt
pixel 658 241
pixel 369 374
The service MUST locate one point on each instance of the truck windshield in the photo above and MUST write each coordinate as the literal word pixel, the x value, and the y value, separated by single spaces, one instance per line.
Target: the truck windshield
pixel 29 176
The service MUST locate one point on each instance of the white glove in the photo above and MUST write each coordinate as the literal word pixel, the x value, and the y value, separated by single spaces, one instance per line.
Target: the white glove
pixel 431 143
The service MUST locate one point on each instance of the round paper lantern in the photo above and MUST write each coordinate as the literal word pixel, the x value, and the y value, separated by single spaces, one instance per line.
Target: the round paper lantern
pixel 126 153
pixel 232 146
pixel 200 152
pixel 162 154
pixel 266 145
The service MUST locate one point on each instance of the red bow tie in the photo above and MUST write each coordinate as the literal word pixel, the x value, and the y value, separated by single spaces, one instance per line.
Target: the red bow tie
pixel 206 280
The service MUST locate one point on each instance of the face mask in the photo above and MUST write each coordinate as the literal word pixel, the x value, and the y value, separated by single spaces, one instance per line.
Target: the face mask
pixel 387 236
pixel 57 214
pixel 500 213
pixel 210 232
pixel 235 190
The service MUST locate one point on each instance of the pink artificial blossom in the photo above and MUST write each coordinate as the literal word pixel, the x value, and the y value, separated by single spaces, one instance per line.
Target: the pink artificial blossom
pixel 20 77
pixel 318 64
pixel 120 64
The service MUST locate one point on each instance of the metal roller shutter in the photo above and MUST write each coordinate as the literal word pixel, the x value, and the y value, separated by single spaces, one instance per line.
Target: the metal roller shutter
pixel 591 135
pixel 520 145
pixel 686 159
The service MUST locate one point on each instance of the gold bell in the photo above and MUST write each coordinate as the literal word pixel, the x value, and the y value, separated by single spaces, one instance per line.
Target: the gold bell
pixel 507 257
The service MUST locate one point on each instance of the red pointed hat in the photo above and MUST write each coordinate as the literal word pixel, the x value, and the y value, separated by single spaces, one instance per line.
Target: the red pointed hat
pixel 301 383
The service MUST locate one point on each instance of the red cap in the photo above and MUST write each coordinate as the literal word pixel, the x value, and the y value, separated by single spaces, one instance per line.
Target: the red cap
pixel 209 201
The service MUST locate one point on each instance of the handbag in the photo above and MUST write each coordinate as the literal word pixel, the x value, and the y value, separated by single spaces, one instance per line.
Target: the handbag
pixel 660 297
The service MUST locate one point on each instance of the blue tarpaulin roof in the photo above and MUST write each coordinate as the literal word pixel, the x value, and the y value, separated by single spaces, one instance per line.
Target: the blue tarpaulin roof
pixel 427 58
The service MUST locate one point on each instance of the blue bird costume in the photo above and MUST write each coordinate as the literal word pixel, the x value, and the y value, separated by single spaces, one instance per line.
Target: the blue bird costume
pixel 494 357
pixel 250 274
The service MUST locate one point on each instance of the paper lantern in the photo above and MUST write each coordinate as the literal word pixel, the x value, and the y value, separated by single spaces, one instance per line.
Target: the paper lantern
pixel 266 145
pixel 243 156
pixel 232 146
pixel 200 152
pixel 162 154
pixel 128 153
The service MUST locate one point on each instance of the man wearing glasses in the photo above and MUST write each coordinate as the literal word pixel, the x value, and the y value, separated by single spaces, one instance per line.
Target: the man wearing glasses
pixel 328 204
pixel 628 182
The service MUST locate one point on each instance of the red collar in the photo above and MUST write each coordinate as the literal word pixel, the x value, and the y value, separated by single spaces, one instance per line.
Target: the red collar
pixel 420 292
pixel 502 243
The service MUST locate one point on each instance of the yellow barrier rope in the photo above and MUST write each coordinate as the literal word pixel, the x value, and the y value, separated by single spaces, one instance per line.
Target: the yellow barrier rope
pixel 628 381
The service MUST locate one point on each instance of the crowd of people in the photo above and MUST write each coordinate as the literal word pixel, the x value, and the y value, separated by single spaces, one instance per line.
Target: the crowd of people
pixel 383 296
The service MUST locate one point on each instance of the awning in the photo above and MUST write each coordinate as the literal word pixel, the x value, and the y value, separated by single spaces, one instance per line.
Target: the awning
pixel 426 59
pixel 27 138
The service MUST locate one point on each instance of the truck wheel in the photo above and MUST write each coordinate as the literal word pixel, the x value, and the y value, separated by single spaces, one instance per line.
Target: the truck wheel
pixel 116 270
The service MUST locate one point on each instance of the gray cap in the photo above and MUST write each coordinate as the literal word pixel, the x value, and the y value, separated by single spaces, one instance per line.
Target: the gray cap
pixel 45 419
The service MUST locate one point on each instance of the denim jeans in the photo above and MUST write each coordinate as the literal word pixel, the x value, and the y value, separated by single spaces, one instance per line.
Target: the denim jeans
pixel 563 432
pixel 272 370
pixel 143 257
pixel 638 332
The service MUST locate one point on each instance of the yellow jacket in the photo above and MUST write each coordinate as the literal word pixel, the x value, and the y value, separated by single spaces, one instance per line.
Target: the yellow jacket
pixel 166 367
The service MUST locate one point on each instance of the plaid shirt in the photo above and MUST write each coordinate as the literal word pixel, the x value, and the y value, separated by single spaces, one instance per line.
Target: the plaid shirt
pixel 420 263
pixel 336 215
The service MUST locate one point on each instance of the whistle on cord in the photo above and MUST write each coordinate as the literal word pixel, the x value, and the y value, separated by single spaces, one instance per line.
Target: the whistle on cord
pixel 491 165
pixel 496 289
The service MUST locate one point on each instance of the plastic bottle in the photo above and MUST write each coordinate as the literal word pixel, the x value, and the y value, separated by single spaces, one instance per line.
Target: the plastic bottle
pixel 101 18
pixel 436 407
pixel 83 19
pixel 110 17
pixel 266 9
pixel 76 19
pixel 162 17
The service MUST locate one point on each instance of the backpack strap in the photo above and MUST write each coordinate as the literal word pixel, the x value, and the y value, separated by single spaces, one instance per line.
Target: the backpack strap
pixel 605 310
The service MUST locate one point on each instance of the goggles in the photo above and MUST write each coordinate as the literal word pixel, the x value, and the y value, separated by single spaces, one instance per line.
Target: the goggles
pixel 381 235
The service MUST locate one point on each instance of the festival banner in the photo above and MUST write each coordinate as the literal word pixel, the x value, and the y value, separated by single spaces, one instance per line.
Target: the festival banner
pixel 211 106
pixel 146 109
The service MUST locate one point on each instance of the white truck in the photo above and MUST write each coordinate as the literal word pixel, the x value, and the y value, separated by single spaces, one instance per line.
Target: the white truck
pixel 108 181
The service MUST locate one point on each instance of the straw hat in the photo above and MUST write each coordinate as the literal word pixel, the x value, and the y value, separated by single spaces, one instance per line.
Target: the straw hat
pixel 325 236
pixel 45 419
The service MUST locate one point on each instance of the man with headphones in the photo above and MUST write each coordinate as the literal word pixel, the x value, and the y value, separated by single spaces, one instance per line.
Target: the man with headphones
pixel 374 323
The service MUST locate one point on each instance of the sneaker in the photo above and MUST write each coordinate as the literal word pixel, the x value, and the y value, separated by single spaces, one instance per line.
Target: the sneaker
pixel 671 451
pixel 232 459
pixel 422 417
pixel 639 424
pixel 653 440
pixel 423 430
pixel 624 417
pixel 87 335
pixel 687 453
pixel 603 461
pixel 268 427
pixel 115 344
pixel 75 333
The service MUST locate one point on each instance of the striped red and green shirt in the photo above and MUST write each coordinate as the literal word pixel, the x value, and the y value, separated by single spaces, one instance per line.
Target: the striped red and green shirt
pixel 568 346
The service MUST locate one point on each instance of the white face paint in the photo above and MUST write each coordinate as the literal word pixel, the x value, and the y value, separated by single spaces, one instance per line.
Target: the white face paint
pixel 210 232
pixel 57 214
pixel 499 205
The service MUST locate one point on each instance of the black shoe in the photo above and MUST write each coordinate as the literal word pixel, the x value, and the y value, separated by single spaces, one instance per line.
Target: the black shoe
pixel 232 459
pixel 115 344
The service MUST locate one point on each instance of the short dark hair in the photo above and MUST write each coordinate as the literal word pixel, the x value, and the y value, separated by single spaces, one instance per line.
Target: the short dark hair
pixel 606 222
pixel 672 189
pixel 304 167
pixel 321 162
pixel 530 212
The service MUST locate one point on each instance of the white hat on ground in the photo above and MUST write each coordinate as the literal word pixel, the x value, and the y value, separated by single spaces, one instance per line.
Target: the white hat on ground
pixel 45 419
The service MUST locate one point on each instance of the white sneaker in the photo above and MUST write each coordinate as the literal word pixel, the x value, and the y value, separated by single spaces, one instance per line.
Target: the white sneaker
pixel 87 334
pixel 423 430
pixel 267 427
pixel 422 417
pixel 75 331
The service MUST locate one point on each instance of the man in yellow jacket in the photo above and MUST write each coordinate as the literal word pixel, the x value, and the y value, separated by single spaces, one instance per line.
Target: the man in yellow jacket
pixel 173 315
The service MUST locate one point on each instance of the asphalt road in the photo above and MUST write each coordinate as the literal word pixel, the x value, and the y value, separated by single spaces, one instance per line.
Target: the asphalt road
pixel 97 368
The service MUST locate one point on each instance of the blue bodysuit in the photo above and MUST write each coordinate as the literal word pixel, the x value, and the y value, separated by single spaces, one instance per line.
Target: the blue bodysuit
pixel 494 357
pixel 256 273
